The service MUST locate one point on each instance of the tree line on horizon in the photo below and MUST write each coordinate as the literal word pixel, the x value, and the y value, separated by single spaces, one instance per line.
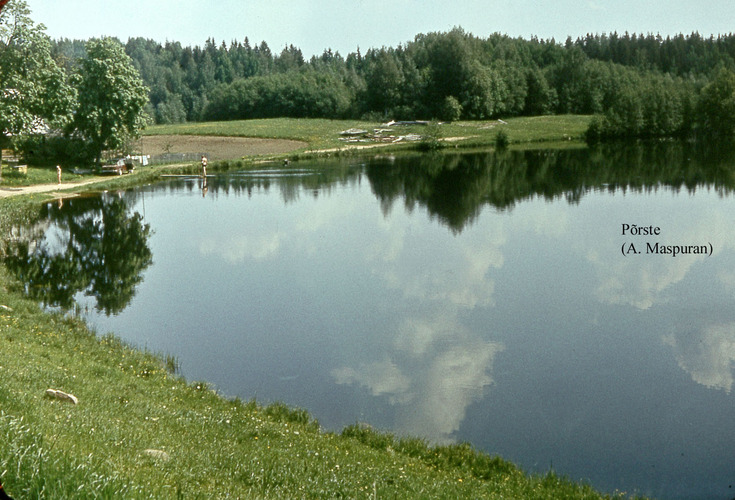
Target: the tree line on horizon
pixel 637 85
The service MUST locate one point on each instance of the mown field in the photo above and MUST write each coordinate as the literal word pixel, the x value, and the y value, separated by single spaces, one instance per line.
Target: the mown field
pixel 325 134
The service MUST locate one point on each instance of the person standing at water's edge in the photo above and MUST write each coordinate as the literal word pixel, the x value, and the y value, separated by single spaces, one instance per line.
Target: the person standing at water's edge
pixel 204 166
pixel 58 173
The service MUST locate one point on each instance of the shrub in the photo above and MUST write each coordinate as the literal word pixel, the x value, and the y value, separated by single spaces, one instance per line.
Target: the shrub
pixel 594 131
pixel 451 110
pixel 501 140
pixel 56 150
pixel 431 138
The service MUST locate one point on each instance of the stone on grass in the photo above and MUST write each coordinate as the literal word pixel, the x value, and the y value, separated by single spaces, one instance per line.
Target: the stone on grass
pixel 61 395
pixel 157 454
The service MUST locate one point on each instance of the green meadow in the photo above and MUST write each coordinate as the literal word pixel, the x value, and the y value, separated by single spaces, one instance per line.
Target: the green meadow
pixel 325 134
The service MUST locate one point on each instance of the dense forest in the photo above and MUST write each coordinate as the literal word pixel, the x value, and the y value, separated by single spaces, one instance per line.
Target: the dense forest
pixel 638 85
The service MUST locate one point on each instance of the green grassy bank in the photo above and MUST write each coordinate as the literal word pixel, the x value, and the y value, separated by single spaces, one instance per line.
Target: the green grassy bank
pixel 141 431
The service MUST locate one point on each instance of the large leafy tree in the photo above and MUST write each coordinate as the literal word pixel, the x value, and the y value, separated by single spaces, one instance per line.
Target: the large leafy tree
pixel 717 105
pixel 112 97
pixel 33 88
pixel 384 82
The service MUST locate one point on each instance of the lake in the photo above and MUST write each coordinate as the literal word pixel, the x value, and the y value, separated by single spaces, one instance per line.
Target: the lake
pixel 471 297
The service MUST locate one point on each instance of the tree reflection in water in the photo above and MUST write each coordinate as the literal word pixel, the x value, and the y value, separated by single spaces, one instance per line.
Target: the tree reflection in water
pixel 92 245
pixel 454 188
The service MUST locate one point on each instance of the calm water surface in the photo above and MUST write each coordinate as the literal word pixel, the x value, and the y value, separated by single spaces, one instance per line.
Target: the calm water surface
pixel 469 298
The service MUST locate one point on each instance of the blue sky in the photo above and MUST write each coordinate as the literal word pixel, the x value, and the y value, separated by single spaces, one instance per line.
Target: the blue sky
pixel 345 25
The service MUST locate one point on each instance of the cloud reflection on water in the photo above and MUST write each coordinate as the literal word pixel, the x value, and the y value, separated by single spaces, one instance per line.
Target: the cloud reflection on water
pixel 434 367
pixel 656 283
pixel 706 355
pixel 236 249
pixel 644 280
pixel 433 384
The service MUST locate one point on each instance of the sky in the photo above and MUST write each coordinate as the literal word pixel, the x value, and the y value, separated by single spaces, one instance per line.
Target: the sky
pixel 346 25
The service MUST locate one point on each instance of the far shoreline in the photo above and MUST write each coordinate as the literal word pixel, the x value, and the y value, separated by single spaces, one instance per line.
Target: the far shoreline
pixel 280 139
